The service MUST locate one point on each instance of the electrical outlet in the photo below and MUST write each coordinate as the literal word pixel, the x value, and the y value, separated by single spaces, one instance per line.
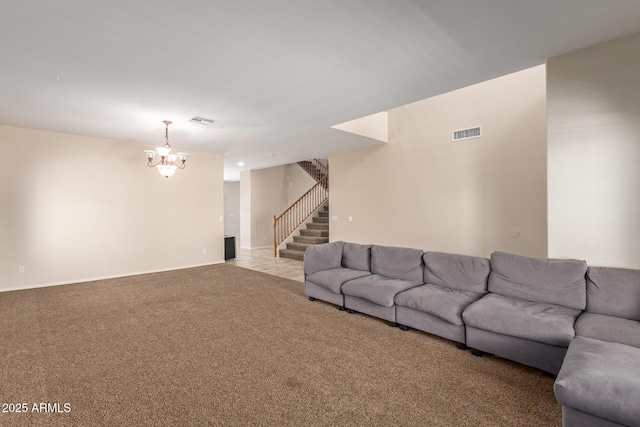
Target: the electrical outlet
pixel 21 269
pixel 204 251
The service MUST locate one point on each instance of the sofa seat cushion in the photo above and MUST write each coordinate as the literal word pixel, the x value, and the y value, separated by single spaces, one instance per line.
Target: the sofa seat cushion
pixel 445 303
pixel 601 379
pixel 536 321
pixel 608 328
pixel 333 278
pixel 378 289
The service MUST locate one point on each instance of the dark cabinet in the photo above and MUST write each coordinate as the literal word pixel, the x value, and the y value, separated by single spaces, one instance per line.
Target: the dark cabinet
pixel 229 247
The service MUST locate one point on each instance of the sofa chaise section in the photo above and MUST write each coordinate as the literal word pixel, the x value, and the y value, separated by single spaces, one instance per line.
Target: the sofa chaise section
pixel 529 313
pixel 452 283
pixel 327 266
pixel 393 270
pixel 599 384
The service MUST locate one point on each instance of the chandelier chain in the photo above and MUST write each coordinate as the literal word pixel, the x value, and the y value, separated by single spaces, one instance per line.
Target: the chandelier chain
pixel 166 133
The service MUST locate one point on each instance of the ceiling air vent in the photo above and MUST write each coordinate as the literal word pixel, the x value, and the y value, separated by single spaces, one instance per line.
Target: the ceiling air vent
pixel 201 121
pixel 474 132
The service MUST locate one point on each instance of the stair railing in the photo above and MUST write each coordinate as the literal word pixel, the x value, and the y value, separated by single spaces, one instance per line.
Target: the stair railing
pixel 285 224
pixel 317 170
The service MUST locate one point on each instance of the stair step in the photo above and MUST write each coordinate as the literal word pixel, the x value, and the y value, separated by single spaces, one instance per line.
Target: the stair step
pixel 320 220
pixel 301 247
pixel 314 233
pixel 326 208
pixel 314 226
pixel 310 240
pixel 287 253
pixel 323 214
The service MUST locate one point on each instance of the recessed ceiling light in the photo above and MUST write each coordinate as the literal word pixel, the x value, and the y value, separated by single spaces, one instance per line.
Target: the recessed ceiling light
pixel 271 155
pixel 240 163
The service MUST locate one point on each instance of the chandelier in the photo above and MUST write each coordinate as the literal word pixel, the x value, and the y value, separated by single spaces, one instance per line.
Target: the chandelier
pixel 168 162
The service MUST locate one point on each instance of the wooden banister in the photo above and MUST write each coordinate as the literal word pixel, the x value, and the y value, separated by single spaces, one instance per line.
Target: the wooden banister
pixel 317 170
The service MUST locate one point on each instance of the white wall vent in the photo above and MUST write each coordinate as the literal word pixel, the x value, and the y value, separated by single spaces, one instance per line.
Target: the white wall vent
pixel 459 135
pixel 201 121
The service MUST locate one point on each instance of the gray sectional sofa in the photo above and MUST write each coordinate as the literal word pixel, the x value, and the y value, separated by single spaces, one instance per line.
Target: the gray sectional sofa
pixel 581 323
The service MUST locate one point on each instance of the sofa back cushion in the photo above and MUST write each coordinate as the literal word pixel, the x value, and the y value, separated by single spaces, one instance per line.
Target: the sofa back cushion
pixel 554 281
pixel 356 257
pixel 614 292
pixel 465 273
pixel 397 263
pixel 323 257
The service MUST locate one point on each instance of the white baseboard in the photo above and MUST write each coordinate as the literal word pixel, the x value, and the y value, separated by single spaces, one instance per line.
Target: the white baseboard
pixel 94 279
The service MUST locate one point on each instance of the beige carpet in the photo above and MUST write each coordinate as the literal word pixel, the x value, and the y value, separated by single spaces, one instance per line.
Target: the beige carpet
pixel 223 345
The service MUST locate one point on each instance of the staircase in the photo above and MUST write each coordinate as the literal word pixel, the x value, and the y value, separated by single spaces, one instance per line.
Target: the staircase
pixel 311 203
pixel 316 232
pixel 317 170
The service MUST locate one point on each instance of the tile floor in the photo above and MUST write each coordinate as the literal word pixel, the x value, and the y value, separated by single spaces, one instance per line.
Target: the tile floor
pixel 262 259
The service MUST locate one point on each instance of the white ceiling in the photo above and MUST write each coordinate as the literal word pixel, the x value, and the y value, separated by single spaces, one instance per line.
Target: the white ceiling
pixel 275 75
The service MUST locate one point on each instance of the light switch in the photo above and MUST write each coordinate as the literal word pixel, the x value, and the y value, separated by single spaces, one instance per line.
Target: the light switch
pixel 350 219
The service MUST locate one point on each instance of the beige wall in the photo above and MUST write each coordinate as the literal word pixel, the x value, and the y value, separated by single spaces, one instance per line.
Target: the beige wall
pixel 594 154
pixel 232 209
pixel 267 199
pixel 78 208
pixel 471 197
pixel 297 183
pixel 265 193
pixel 245 209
